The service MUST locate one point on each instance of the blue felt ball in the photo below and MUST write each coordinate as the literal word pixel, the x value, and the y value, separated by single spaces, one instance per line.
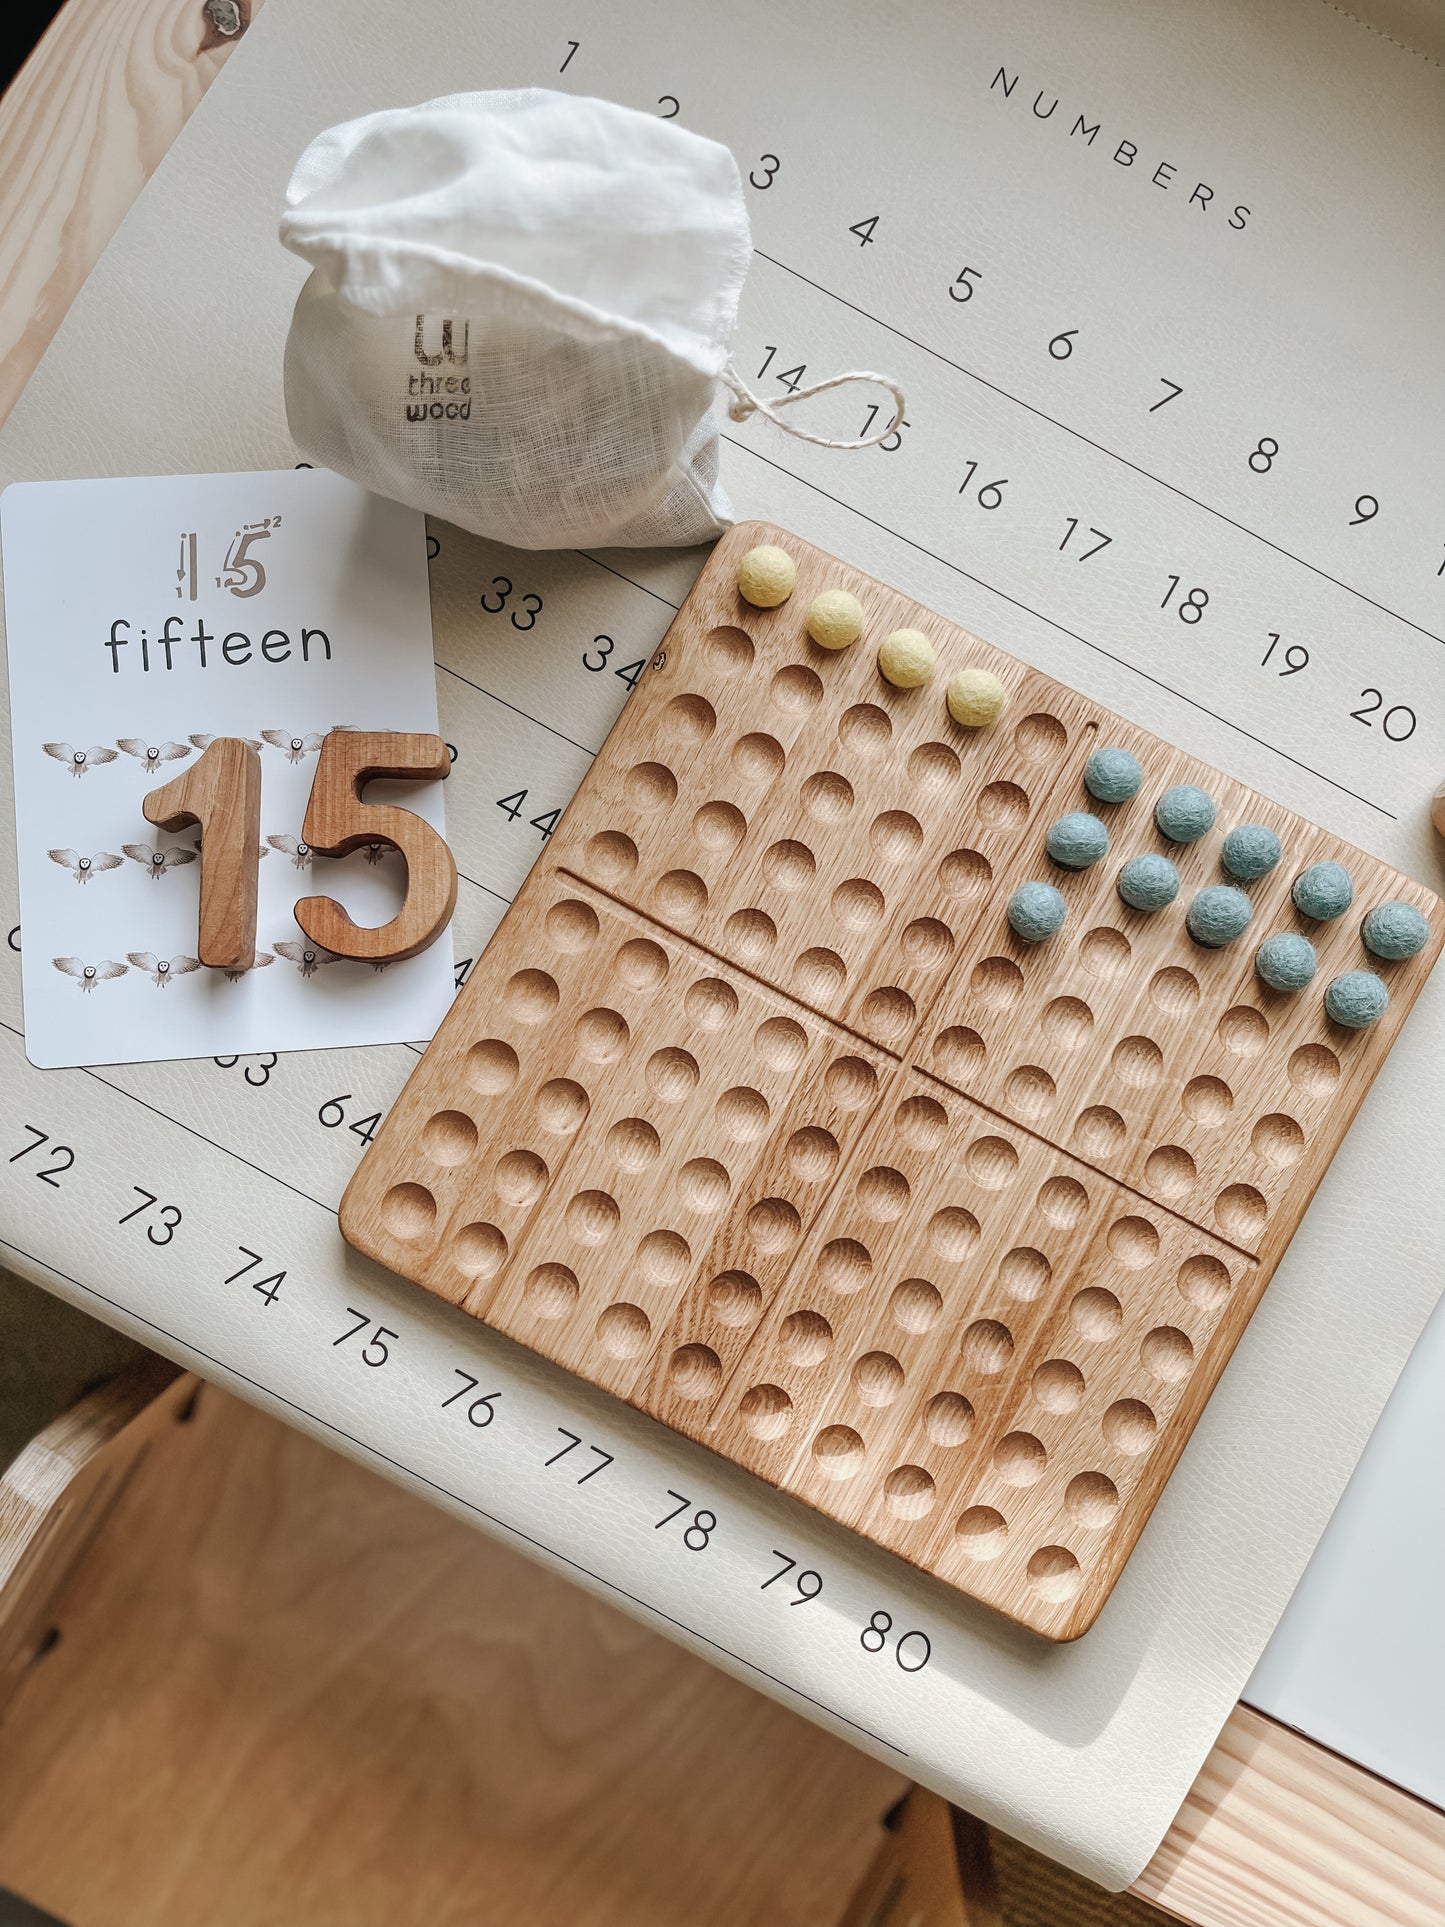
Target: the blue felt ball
pixel 1356 999
pixel 1323 891
pixel 1395 930
pixel 1250 851
pixel 1036 911
pixel 1112 775
pixel 1148 882
pixel 1286 962
pixel 1185 813
pixel 1218 915
pixel 1077 840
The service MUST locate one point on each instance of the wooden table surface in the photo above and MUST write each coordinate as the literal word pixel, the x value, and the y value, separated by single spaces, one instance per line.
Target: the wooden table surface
pixel 267 1698
pixel 1276 1832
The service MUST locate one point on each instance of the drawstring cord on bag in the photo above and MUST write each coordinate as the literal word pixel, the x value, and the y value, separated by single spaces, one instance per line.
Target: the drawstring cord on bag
pixel 746 403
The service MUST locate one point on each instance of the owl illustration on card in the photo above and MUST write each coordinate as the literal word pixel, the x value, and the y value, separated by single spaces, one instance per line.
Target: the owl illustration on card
pixel 80 761
pixel 161 970
pixel 293 747
pixel 83 868
pixel 88 975
pixel 154 862
pixel 151 754
pixel 292 846
pixel 203 741
pixel 307 957
pixel 258 962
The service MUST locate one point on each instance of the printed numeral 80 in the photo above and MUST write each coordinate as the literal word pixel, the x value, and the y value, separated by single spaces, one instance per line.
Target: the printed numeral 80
pixel 912 1651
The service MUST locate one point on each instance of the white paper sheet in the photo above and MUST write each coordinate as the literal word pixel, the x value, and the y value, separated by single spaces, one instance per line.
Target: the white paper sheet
pixel 1314 326
pixel 1356 1661
pixel 145 617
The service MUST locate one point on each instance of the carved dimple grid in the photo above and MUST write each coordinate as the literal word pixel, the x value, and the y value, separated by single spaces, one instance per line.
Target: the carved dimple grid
pixel 1166 1064
pixel 756 1113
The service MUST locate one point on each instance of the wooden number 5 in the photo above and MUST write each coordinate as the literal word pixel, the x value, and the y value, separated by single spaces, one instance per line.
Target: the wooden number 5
pixel 338 821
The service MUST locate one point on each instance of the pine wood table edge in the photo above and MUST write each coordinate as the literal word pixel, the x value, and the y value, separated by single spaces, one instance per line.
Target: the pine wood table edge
pixel 1270 1809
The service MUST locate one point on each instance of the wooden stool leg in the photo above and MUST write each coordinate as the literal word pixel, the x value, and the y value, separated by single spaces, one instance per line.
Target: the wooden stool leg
pixel 934 1869
pixel 976 1875
pixel 56 1494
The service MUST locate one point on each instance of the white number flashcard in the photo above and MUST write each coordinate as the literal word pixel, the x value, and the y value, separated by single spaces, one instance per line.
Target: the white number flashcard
pixel 147 618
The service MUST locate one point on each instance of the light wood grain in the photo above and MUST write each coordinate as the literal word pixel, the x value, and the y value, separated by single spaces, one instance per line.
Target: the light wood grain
pixel 54 1496
pixel 1279 1833
pixel 222 793
pixel 1038 1892
pixel 339 821
pixel 286 1692
pixel 82 128
pixel 757 1113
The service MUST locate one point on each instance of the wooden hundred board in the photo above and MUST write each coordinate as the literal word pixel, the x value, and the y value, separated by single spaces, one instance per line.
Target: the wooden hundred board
pixel 756 1113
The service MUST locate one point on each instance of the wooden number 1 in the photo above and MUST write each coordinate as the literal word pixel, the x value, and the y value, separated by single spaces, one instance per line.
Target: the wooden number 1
pixel 338 821
pixel 221 792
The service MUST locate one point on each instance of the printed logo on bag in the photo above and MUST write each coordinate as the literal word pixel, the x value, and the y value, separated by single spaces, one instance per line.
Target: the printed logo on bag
pixel 439 397
pixel 602 314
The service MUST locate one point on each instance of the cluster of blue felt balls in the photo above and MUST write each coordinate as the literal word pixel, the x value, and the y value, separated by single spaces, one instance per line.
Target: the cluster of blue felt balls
pixel 1220 913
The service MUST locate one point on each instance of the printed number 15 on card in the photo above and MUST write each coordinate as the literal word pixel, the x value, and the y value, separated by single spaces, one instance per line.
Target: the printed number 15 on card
pixel 222 793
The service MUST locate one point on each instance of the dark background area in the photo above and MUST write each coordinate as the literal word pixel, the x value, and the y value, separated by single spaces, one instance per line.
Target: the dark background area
pixel 25 22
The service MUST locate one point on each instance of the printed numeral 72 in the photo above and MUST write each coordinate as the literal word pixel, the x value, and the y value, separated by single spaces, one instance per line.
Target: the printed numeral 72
pixel 52 1173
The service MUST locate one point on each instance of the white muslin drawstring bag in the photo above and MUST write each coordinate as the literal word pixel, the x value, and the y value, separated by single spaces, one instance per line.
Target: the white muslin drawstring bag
pixel 519 315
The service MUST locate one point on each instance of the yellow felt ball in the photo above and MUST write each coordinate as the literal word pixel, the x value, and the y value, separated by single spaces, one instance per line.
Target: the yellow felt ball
pixel 766 577
pixel 975 697
pixel 906 658
pixel 835 620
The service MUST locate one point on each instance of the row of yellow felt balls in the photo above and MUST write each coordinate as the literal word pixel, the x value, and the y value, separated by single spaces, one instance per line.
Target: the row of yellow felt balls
pixel 906 658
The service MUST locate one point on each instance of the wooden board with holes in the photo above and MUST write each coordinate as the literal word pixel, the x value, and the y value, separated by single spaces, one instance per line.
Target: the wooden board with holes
pixel 756 1113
